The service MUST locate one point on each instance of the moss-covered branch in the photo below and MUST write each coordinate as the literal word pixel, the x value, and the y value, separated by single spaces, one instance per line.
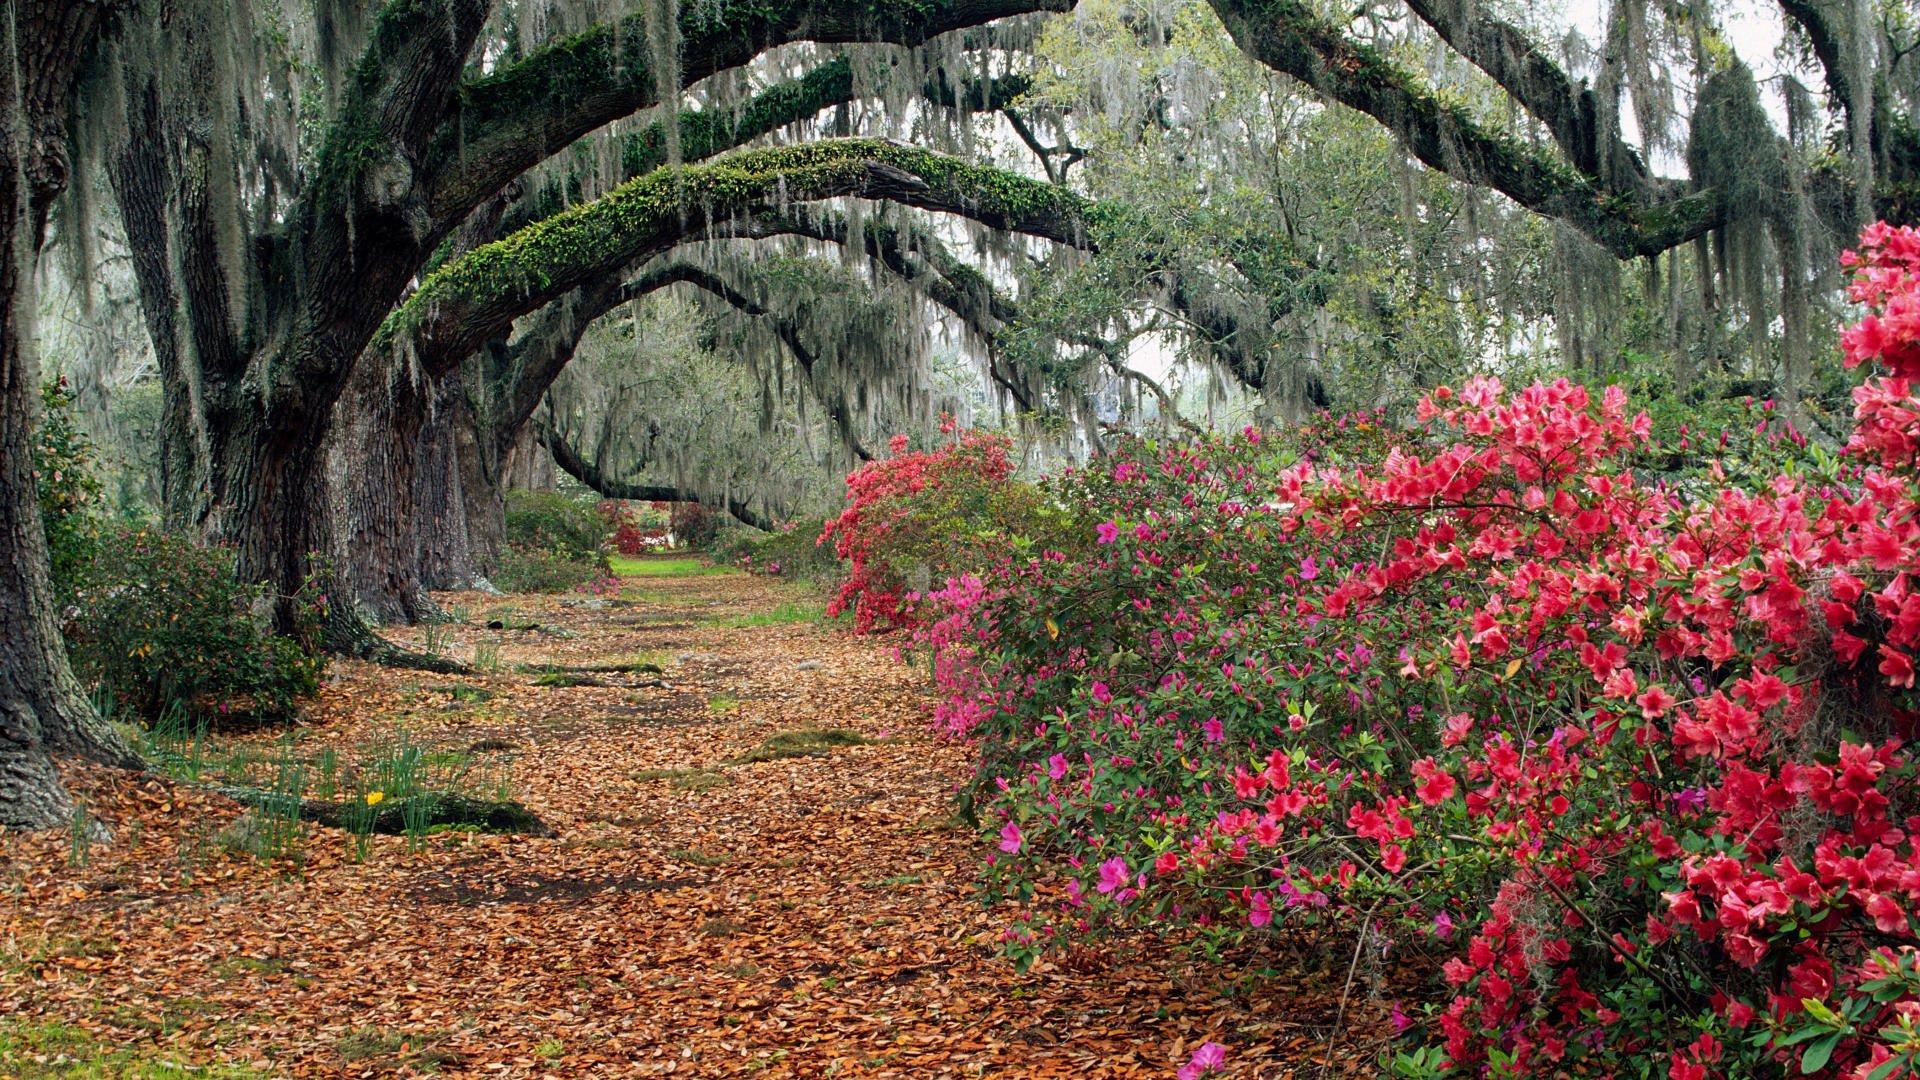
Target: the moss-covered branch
pixel 481 293
pixel 707 133
pixel 1512 59
pixel 1288 36
pixel 507 122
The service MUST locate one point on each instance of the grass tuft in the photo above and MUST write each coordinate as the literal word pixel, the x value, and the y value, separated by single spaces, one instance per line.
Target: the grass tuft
pixel 807 742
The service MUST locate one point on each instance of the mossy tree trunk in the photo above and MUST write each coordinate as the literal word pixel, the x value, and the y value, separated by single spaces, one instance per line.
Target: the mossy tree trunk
pixel 43 711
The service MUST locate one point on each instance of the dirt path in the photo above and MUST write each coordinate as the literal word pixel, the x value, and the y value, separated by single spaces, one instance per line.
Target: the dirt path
pixel 699 912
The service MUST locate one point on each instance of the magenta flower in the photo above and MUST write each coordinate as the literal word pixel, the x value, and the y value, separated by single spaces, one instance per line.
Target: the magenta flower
pixel 1010 839
pixel 1205 1060
pixel 1109 531
pixel 1113 874
pixel 1260 911
pixel 1102 693
pixel 1309 569
pixel 1057 766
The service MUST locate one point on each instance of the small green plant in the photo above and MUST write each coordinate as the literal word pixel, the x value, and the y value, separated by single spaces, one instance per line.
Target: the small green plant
pixel 435 638
pixel 159 622
pixel 696 857
pixel 722 704
pixel 790 611
pixel 486 656
pixel 550 1049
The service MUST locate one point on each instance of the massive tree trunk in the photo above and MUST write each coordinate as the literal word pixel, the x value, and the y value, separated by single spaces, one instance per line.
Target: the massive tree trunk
pixel 379 424
pixel 447 554
pixel 42 708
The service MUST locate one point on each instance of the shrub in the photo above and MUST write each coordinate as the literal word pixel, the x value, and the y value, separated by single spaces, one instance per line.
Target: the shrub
pixel 920 515
pixel 1627 761
pixel 64 461
pixel 635 528
pixel 551 570
pixel 793 550
pixel 158 622
pixel 549 521
pixel 695 526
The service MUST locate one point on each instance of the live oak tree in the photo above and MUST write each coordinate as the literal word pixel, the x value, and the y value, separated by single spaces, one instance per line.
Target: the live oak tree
pixel 44 47
pixel 269 257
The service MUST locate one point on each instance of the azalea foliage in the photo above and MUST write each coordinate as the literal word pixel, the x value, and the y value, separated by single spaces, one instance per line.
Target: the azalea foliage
pixel 914 511
pixel 1628 761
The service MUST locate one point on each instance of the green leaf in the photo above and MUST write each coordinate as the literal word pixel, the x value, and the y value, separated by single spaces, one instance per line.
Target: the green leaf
pixel 1819 1054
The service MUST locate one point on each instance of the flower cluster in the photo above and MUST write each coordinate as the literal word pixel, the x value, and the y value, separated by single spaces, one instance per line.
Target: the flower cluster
pixel 1630 759
pixel 907 513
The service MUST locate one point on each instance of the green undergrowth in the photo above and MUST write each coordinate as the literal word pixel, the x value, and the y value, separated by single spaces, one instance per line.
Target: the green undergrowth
pixel 36 1050
pixel 657 567
pixel 806 742
pixel 395 785
pixel 789 611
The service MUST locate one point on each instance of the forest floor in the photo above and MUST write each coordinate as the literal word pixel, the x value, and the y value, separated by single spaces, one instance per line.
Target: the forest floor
pixel 729 892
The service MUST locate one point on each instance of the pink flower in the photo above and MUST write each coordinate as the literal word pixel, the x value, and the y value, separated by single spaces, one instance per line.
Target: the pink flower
pixel 1102 693
pixel 1309 569
pixel 1108 531
pixel 1113 875
pixel 1214 729
pixel 1057 766
pixel 1259 910
pixel 1208 1058
pixel 1010 839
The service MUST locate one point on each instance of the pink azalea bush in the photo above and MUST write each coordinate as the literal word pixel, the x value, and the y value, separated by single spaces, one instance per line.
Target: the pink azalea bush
pixel 1628 758
pixel 922 512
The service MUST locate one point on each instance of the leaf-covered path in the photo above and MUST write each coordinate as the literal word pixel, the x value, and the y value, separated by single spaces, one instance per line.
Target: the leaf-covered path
pixel 729 891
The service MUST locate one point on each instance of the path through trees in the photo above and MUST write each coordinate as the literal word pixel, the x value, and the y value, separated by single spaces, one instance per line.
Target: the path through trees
pixel 699 913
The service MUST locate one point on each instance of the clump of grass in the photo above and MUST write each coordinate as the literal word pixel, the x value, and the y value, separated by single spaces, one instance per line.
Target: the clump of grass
pixel 414 1049
pixel 656 567
pixel 31 1050
pixel 565 678
pixel 235 966
pixel 696 857
pixel 463 693
pixel 722 704
pixel 791 611
pixel 807 742
pixel 486 655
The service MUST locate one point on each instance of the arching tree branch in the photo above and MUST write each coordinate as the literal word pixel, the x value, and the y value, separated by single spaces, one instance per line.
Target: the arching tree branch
pixel 510 120
pixel 577 465
pixel 1288 36
pixel 478 295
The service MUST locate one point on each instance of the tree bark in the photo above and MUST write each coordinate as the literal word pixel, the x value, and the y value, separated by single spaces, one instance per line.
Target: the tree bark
pixel 43 710
pixel 446 547
pixel 379 424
